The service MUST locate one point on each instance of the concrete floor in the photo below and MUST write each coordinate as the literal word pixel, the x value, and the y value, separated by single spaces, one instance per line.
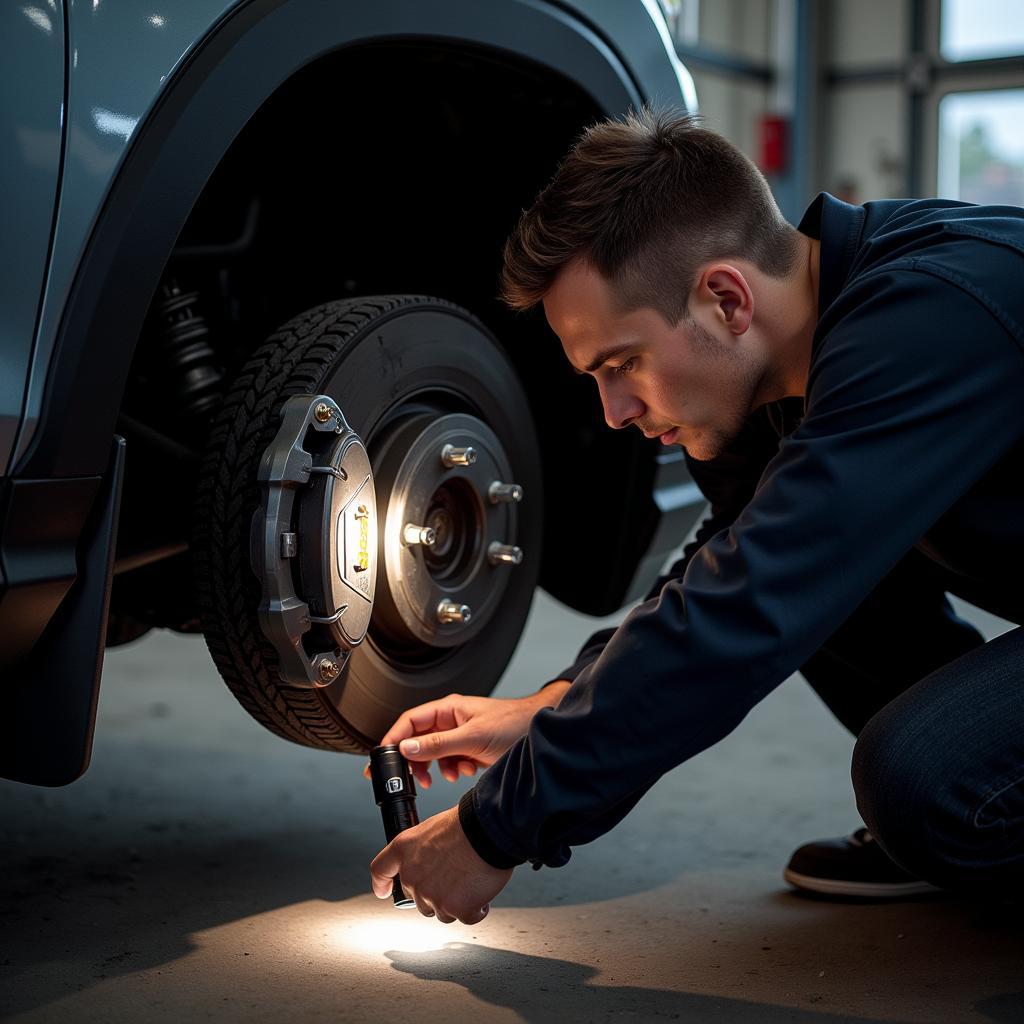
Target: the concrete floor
pixel 203 869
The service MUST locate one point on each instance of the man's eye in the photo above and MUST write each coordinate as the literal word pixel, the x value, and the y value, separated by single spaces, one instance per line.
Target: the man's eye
pixel 626 367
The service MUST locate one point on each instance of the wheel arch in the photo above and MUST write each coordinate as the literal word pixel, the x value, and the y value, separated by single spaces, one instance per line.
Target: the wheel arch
pixel 225 81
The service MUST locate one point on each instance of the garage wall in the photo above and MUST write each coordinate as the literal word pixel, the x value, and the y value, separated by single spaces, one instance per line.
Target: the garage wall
pixel 864 123
pixel 866 32
pixel 860 125
pixel 864 116
pixel 863 89
pixel 730 104
pixel 863 155
pixel 731 108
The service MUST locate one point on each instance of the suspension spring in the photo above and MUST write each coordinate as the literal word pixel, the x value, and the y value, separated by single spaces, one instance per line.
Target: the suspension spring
pixel 194 375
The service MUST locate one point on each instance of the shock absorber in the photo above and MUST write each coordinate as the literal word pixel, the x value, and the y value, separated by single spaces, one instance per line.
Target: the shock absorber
pixel 192 371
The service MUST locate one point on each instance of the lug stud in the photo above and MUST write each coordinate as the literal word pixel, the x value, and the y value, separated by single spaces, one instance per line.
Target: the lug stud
pixel 500 493
pixel 452 611
pixel 322 412
pixel 504 554
pixel 413 534
pixel 329 670
pixel 452 456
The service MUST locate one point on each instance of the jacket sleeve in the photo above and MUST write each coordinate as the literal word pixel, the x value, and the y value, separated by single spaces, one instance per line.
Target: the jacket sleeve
pixel 728 482
pixel 905 412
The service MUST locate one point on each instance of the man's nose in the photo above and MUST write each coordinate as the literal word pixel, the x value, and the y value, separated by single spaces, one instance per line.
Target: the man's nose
pixel 620 407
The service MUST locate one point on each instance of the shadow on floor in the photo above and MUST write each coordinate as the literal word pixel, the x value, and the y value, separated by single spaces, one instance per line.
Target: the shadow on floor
pixel 500 977
pixel 120 910
pixel 1002 1009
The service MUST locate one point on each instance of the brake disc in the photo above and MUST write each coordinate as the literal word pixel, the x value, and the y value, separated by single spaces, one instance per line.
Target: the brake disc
pixel 313 541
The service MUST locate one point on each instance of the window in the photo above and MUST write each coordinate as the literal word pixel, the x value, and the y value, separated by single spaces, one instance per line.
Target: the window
pixel 975 29
pixel 981 147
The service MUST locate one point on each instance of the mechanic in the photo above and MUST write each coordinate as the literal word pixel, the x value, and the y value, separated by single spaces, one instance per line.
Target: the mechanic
pixel 849 395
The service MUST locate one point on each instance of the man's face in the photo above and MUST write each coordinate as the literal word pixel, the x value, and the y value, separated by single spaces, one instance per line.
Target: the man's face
pixel 693 384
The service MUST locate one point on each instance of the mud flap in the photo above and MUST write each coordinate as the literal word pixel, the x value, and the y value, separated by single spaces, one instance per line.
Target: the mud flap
pixel 51 697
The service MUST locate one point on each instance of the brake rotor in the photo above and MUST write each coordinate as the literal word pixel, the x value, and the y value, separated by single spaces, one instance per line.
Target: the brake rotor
pixel 313 541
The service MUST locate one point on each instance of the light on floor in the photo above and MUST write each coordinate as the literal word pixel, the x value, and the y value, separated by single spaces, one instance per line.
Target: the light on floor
pixel 393 931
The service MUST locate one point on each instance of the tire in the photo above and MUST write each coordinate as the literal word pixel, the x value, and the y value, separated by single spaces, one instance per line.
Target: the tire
pixel 387 361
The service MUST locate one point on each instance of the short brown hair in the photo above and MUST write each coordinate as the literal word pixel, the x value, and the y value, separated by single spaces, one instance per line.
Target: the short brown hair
pixel 646 200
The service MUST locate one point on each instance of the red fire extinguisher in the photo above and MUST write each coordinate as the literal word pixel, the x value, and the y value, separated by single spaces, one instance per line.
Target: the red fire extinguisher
pixel 773 143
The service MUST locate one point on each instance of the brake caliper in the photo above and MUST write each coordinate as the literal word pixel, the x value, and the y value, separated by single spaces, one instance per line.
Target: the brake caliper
pixel 313 542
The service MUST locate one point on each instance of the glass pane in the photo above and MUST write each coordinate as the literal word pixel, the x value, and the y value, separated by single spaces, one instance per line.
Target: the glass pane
pixel 683 19
pixel 973 29
pixel 981 147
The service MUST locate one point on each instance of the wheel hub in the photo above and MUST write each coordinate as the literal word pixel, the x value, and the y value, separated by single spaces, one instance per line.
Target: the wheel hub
pixel 437 473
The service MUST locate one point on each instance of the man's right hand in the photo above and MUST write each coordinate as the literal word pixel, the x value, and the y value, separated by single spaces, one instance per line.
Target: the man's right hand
pixel 465 733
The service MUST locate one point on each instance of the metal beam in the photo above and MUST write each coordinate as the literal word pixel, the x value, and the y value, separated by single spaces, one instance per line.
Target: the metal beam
pixel 796 98
pixel 918 80
pixel 728 64
pixel 938 70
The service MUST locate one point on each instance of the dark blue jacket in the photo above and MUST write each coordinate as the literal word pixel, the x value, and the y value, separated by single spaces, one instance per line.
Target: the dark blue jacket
pixel 911 435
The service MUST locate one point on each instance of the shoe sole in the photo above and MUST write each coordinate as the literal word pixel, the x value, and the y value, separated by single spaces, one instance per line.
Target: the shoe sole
pixel 841 887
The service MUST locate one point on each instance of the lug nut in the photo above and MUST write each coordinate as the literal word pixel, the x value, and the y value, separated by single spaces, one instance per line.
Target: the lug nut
pixel 508 554
pixel 413 534
pixel 501 493
pixel 452 611
pixel 322 412
pixel 329 670
pixel 452 456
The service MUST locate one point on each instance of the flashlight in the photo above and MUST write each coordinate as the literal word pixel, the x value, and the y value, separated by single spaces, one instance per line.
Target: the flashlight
pixel 396 797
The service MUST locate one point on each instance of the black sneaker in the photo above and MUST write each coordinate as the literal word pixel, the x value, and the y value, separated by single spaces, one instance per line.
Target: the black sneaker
pixel 851 866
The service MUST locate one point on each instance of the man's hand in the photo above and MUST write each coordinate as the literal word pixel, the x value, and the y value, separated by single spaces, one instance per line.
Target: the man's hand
pixel 439 870
pixel 465 733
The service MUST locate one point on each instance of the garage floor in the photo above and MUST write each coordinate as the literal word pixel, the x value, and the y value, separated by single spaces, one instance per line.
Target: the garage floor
pixel 205 870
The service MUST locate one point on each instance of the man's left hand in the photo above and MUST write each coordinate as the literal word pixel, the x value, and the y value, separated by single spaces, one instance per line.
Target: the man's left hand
pixel 439 870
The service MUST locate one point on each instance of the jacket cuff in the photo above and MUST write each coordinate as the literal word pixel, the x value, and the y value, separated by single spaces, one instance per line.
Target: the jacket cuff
pixel 486 848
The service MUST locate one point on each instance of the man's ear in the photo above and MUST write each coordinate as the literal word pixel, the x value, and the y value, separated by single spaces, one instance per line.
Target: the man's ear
pixel 723 286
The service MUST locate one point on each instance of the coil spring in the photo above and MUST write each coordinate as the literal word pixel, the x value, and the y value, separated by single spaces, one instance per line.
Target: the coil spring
pixel 194 375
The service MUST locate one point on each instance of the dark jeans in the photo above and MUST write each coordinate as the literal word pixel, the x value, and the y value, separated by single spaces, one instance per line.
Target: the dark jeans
pixel 938 767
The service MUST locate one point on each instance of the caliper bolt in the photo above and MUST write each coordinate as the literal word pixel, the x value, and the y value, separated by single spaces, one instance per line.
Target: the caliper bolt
pixel 452 611
pixel 329 670
pixel 452 456
pixel 508 554
pixel 500 493
pixel 413 534
pixel 322 412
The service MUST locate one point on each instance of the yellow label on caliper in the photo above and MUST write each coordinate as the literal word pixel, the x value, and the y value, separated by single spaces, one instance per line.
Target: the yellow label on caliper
pixel 357 541
pixel 362 515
